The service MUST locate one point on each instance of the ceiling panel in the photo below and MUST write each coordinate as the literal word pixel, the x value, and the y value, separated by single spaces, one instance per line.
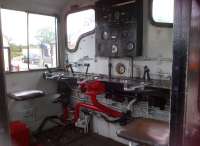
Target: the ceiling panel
pixel 39 6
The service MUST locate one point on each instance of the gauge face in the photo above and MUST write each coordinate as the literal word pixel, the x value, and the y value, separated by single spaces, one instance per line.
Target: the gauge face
pixel 120 68
pixel 105 35
pixel 131 46
pixel 114 48
pixel 114 35
pixel 124 34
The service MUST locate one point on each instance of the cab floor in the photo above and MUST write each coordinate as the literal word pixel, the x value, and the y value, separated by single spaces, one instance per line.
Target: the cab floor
pixel 73 137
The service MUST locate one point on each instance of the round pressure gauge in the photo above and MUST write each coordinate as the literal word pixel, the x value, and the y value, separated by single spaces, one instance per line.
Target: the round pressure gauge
pixel 120 68
pixel 114 48
pixel 124 34
pixel 131 46
pixel 105 35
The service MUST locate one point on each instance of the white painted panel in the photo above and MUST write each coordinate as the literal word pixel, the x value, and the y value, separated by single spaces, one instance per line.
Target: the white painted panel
pixel 50 7
pixel 157 41
pixel 32 112
pixel 29 81
pixel 107 129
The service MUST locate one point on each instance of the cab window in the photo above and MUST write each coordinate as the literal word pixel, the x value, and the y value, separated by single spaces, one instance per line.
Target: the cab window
pixel 162 11
pixel 77 24
pixel 29 40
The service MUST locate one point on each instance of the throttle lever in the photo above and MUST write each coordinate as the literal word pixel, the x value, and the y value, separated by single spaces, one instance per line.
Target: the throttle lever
pixel 71 68
pixel 48 69
pixel 87 65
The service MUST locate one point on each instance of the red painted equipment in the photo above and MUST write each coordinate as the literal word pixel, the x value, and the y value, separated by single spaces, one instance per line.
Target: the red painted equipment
pixel 20 134
pixel 92 89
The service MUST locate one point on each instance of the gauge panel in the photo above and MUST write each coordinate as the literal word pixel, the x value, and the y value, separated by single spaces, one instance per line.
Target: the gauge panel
pixel 119 29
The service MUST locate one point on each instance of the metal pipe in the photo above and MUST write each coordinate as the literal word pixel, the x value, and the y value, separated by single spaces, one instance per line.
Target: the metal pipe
pixel 109 68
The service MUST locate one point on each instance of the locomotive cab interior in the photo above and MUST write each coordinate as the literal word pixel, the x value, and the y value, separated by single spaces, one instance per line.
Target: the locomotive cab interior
pixel 88 72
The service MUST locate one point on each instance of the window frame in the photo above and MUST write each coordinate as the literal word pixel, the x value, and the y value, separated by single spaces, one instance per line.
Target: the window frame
pixel 75 10
pixel 153 22
pixel 9 59
pixel 27 29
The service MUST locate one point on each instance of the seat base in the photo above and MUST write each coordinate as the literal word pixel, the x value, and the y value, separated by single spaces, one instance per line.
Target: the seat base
pixel 26 95
pixel 146 131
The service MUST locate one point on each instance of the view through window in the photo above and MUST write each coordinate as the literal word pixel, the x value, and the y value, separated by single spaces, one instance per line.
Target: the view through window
pixel 14 29
pixel 77 24
pixel 29 40
pixel 42 41
pixel 163 11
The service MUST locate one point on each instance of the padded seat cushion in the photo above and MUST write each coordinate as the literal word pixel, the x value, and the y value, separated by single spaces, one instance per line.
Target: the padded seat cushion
pixel 26 95
pixel 146 131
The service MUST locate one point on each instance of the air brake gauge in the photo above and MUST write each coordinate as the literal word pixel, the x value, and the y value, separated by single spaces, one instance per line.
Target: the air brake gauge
pixel 131 46
pixel 114 49
pixel 125 34
pixel 105 35
pixel 119 28
pixel 120 68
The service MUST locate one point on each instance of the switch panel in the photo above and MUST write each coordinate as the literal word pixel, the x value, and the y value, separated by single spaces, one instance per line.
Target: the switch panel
pixel 119 29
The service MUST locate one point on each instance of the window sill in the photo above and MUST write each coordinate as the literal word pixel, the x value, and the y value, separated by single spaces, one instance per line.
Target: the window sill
pixel 28 71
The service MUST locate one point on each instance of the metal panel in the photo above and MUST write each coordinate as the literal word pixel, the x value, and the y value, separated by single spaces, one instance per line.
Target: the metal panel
pixel 49 7
pixel 181 38
pixel 4 130
pixel 119 29
pixel 192 106
pixel 185 100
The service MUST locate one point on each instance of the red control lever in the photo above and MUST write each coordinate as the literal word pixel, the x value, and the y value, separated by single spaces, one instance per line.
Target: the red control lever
pixel 92 89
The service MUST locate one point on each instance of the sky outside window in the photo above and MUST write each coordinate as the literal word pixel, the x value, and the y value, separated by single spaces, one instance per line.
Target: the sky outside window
pixel 38 50
pixel 163 11
pixel 77 24
pixel 14 27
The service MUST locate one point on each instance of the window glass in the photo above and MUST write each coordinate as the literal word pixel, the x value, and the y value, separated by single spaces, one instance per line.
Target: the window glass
pixel 14 29
pixel 77 24
pixel 29 40
pixel 163 11
pixel 42 41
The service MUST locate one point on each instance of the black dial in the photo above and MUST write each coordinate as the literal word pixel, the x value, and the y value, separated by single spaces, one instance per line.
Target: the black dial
pixel 120 68
pixel 105 35
pixel 114 48
pixel 131 46
pixel 124 34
